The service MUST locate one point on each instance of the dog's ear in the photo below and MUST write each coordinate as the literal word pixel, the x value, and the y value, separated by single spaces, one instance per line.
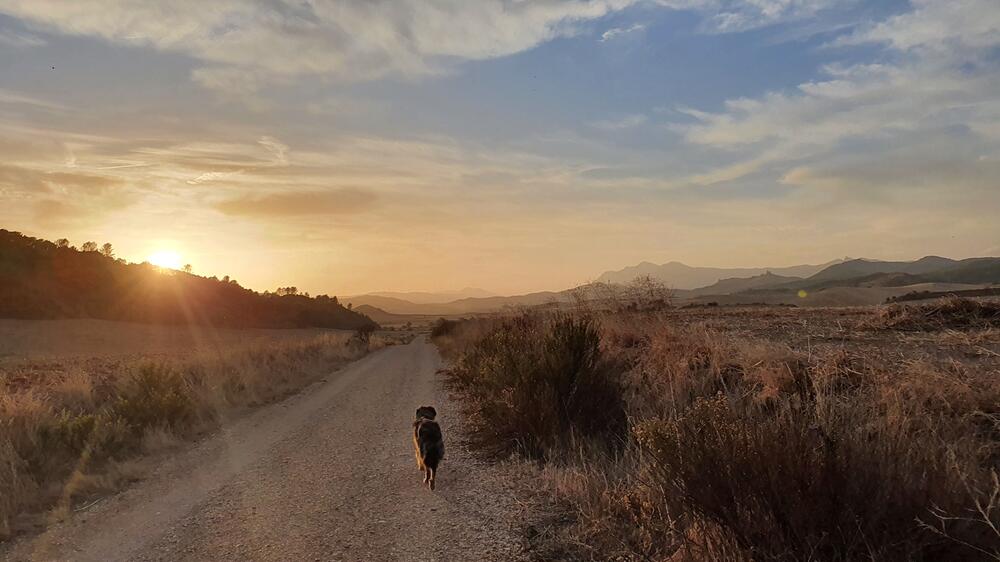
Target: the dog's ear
pixel 432 411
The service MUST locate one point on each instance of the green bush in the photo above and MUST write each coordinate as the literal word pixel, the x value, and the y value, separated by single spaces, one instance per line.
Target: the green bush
pixel 155 395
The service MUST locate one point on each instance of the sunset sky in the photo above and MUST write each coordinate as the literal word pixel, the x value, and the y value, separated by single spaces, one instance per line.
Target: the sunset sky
pixel 362 145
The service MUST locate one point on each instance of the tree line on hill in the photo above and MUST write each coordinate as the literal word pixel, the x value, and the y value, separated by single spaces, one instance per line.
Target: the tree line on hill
pixel 41 279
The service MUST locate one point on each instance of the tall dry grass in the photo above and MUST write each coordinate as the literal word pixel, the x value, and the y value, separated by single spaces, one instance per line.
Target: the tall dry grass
pixel 69 435
pixel 743 450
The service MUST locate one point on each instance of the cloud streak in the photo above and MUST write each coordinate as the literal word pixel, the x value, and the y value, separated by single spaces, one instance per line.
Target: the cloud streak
pixel 299 203
pixel 619 31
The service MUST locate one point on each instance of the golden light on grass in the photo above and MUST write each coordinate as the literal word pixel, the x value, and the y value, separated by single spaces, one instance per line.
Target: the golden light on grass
pixel 168 259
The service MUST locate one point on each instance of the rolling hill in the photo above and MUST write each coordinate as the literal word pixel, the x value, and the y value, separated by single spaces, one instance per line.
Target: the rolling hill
pixel 865 282
pixel 40 280
pixel 740 284
pixel 863 267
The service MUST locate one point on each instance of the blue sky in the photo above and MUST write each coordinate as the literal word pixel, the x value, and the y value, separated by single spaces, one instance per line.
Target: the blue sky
pixel 514 145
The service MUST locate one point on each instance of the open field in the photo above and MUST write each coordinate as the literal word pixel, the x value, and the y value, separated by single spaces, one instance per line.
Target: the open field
pixel 853 330
pixel 85 338
pixel 81 399
pixel 830 296
pixel 745 433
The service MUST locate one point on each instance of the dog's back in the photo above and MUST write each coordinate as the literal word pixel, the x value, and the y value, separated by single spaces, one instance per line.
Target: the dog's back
pixel 428 443
pixel 431 442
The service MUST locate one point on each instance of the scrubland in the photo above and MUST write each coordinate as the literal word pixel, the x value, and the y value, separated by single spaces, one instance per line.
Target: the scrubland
pixel 73 425
pixel 752 433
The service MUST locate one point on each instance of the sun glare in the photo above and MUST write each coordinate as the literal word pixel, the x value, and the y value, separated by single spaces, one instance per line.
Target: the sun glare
pixel 165 258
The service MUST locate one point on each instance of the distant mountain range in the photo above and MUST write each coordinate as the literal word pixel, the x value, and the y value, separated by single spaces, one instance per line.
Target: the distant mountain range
pixel 677 275
pixel 862 281
pixel 740 284
pixel 862 267
pixel 931 269
pixel 836 283
pixel 419 297
pixel 456 307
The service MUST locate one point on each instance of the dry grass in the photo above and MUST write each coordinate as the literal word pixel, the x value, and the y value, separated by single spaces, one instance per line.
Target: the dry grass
pixel 949 312
pixel 752 449
pixel 68 429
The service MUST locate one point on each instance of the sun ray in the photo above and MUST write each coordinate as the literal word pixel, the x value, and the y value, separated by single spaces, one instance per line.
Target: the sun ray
pixel 167 259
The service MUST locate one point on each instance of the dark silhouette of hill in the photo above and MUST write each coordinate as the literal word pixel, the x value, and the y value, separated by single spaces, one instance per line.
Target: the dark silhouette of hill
pixel 676 275
pixel 40 279
pixel 739 284
pixel 972 270
pixel 931 269
pixel 853 269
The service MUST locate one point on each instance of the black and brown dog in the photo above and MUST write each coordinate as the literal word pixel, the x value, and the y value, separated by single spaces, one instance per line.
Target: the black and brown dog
pixel 428 443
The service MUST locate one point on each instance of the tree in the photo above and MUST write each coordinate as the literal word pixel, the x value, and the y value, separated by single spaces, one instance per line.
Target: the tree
pixel 62 243
pixel 187 268
pixel 107 250
pixel 89 247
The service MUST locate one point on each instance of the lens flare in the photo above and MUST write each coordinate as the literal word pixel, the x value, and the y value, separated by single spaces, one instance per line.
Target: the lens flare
pixel 168 259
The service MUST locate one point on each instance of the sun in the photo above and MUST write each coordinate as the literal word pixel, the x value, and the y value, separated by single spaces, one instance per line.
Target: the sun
pixel 165 258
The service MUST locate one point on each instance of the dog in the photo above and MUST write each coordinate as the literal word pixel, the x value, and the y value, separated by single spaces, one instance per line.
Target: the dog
pixel 428 443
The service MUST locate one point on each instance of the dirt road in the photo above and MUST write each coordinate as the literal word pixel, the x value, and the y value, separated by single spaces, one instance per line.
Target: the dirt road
pixel 325 475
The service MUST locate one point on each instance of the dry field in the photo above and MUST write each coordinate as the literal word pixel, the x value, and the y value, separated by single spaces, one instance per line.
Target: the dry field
pixel 865 331
pixel 745 433
pixel 81 400
pixel 83 338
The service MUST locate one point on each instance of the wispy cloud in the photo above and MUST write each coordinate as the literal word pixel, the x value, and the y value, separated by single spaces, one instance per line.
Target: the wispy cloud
pixel 13 98
pixel 941 86
pixel 619 31
pixel 727 16
pixel 299 203
pixel 625 122
pixel 19 39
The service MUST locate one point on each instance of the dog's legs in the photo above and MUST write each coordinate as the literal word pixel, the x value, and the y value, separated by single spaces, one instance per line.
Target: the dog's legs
pixel 427 474
pixel 432 472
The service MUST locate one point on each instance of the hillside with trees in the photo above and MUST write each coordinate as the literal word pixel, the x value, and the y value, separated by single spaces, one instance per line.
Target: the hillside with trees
pixel 41 279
